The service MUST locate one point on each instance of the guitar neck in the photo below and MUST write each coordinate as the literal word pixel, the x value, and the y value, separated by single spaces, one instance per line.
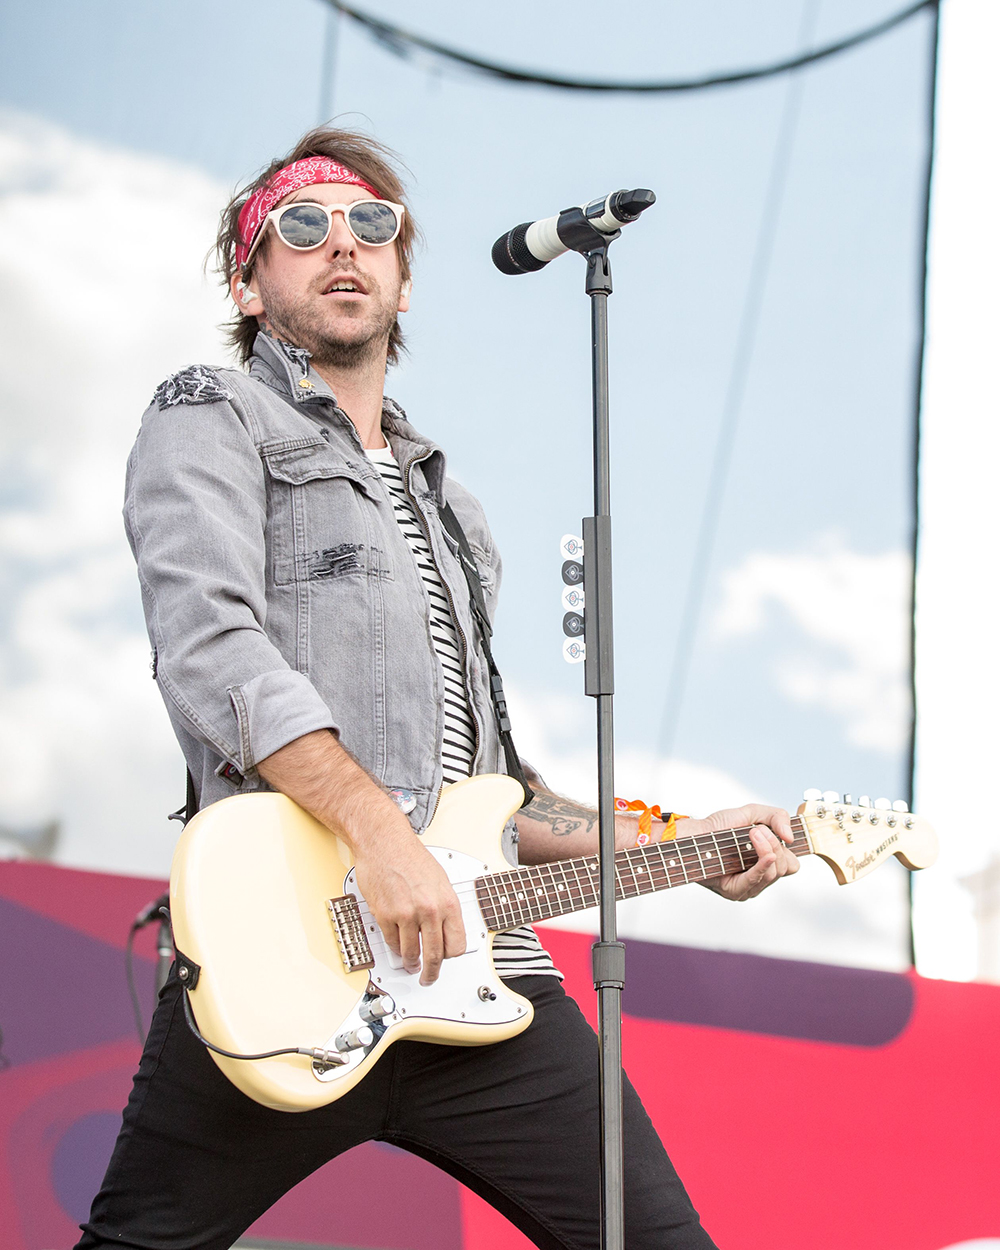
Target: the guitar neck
pixel 526 895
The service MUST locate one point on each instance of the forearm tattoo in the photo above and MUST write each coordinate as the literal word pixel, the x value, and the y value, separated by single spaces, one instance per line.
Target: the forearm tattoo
pixel 562 815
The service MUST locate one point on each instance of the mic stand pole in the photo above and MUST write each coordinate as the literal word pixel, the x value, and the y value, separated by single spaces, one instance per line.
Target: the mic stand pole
pixel 164 948
pixel 608 952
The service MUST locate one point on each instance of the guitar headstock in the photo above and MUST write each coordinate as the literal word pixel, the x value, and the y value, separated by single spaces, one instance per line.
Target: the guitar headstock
pixel 855 837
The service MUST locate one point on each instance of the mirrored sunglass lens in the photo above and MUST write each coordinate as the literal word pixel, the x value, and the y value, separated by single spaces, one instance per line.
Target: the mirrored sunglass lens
pixel 373 223
pixel 303 225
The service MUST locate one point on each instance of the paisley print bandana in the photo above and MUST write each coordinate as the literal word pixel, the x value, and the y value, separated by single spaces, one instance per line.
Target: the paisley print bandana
pixel 294 177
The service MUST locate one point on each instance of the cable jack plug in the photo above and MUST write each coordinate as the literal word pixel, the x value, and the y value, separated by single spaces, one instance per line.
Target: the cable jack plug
pixel 326 1058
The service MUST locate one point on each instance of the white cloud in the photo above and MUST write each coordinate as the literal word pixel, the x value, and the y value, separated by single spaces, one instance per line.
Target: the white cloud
pixel 853 612
pixel 101 296
pixel 806 917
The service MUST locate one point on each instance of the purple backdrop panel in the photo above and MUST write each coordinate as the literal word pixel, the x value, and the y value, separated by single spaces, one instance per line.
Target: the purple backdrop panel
pixel 756 994
pixel 60 989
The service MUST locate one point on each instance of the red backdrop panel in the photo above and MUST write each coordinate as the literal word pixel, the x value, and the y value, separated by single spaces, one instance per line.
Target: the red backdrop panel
pixel 807 1107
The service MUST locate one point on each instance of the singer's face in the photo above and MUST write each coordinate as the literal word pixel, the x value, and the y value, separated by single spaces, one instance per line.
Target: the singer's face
pixel 338 326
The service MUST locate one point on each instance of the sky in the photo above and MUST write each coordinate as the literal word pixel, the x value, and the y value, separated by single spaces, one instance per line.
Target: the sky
pixel 780 266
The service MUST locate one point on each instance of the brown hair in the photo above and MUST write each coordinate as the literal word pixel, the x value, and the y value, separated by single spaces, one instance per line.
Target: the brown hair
pixel 369 159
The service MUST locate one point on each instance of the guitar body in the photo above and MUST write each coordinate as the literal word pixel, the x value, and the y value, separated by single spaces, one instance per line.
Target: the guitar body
pixel 249 889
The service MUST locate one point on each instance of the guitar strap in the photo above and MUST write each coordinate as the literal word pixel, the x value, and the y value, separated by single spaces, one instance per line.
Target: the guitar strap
pixel 478 603
pixel 468 562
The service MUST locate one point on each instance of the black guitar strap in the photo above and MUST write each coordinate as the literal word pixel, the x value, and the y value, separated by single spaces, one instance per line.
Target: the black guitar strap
pixel 468 562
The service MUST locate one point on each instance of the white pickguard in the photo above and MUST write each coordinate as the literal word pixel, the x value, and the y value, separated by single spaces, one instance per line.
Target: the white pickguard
pixel 467 988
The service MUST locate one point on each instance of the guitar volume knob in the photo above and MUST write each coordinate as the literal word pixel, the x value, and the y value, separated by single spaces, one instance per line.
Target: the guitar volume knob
pixel 376 1009
pixel 354 1039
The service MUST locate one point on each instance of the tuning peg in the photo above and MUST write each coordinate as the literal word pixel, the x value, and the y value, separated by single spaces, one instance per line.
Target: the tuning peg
pixel 900 805
pixel 573 599
pixel 811 795
pixel 831 796
pixel 883 805
pixel 864 801
pixel 848 801
pixel 571 547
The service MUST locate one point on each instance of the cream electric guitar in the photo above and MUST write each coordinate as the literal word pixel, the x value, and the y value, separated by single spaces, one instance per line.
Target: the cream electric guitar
pixel 288 976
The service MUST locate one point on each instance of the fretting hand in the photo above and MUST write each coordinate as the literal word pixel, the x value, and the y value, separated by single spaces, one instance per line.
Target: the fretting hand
pixel 771 835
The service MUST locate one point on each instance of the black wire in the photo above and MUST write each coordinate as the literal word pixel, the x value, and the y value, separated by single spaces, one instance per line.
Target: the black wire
pixel 328 75
pixel 400 41
pixel 732 406
pixel 915 479
pixel 137 1011
pixel 267 1054
pixel 130 979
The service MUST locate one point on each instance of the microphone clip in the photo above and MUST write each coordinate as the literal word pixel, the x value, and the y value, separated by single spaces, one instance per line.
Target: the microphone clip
pixel 579 235
pixel 599 269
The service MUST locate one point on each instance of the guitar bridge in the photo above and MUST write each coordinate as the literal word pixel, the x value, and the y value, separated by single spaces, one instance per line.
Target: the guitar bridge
pixel 350 930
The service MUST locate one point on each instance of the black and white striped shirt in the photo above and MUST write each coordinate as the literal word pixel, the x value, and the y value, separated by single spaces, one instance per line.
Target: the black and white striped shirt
pixel 518 952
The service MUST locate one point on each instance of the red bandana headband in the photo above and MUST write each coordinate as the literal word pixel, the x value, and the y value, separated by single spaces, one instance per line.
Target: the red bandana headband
pixel 294 177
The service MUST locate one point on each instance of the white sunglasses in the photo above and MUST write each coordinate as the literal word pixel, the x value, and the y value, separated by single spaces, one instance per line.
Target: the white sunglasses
pixel 306 224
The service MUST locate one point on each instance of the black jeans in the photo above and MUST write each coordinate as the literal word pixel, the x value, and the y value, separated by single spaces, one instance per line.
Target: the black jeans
pixel 197 1162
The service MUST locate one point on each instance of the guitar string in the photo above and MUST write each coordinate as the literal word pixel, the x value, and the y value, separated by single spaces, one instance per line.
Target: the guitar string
pixel 583 895
pixel 687 854
pixel 624 858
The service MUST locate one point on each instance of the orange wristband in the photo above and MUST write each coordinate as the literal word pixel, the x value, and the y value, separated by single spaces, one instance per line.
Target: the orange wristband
pixel 647 815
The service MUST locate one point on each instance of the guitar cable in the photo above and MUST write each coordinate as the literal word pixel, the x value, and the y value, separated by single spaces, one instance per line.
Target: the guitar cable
pixel 145 917
pixel 329 1057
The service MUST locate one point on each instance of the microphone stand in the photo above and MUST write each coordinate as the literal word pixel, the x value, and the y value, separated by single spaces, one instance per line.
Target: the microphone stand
pixel 599 684
pixel 575 231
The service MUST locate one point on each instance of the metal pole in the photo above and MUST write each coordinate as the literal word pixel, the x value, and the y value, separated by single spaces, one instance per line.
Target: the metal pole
pixel 609 953
pixel 918 391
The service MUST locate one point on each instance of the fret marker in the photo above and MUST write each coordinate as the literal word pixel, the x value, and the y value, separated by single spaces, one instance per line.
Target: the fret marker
pixel 671 862
pixel 748 847
pixel 560 886
pixel 521 897
pixel 503 898
pixel 708 854
pixel 640 869
pixel 539 892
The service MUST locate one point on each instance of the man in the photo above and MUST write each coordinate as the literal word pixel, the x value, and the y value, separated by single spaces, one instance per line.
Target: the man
pixel 313 634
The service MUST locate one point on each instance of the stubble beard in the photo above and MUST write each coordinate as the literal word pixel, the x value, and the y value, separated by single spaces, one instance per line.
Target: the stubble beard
pixel 301 322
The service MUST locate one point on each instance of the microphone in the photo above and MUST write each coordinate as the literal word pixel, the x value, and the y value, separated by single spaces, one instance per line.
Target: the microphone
pixel 151 912
pixel 533 244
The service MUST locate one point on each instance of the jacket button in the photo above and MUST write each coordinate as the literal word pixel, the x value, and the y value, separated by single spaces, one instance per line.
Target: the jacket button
pixel 405 800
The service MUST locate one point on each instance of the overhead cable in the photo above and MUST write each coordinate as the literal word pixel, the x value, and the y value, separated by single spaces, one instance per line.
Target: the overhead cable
pixel 735 394
pixel 402 43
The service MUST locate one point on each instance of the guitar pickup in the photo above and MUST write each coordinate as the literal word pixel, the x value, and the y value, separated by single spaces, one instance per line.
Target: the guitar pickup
pixel 350 930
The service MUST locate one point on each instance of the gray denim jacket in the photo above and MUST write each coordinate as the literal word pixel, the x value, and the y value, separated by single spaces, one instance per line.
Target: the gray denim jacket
pixel 280 595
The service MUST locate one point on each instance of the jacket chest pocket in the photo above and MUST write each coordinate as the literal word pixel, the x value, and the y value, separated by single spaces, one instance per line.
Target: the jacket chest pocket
pixel 323 517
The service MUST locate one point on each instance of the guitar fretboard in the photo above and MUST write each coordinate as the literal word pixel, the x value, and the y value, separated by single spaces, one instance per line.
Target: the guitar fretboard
pixel 526 895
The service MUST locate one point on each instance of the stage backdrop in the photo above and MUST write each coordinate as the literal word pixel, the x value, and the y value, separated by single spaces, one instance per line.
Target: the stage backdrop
pixel 808 1107
pixel 764 333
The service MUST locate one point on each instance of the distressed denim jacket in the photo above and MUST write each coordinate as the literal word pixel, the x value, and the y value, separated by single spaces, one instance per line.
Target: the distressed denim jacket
pixel 280 595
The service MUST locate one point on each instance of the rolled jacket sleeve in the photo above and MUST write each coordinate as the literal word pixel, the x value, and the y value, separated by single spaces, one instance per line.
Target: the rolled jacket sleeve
pixel 195 515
